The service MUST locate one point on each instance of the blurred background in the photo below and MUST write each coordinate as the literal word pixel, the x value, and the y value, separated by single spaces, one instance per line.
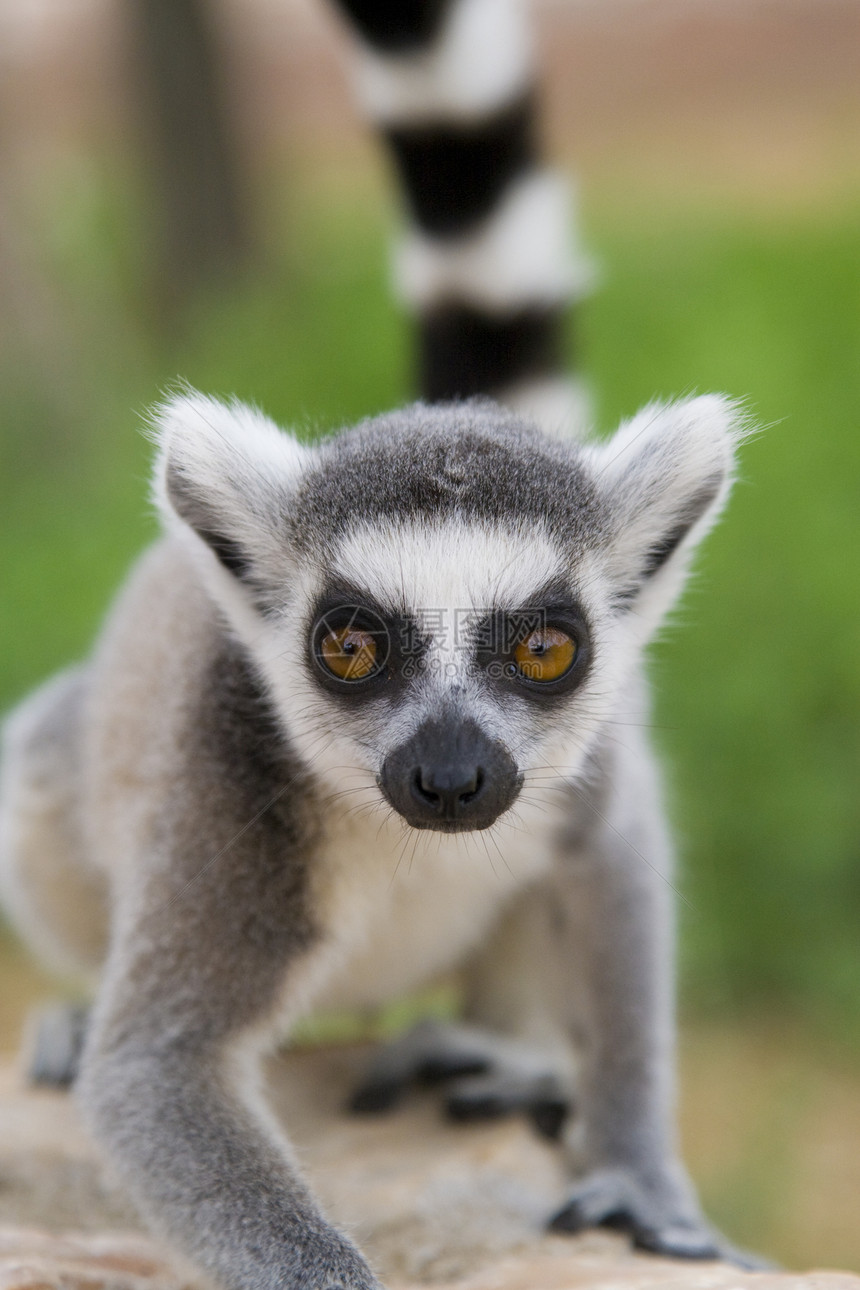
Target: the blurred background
pixel 186 191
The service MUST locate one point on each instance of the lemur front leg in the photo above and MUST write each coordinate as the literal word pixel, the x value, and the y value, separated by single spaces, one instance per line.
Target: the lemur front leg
pixel 613 925
pixel 170 1079
pixel 613 928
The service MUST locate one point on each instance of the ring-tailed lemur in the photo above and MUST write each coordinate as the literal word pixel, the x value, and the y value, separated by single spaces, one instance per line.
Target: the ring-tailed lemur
pixel 355 721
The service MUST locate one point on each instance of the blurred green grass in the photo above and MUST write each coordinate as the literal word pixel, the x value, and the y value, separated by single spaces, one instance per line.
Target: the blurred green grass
pixel 758 705
pixel 760 690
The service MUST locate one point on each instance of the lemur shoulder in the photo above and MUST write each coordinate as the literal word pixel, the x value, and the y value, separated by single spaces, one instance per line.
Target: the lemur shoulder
pixel 353 722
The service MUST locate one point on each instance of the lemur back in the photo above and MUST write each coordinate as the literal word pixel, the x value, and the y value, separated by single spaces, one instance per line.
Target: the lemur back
pixel 353 722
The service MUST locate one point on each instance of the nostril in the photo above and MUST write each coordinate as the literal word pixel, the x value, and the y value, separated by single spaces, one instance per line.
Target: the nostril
pixel 422 791
pixel 473 789
pixel 446 792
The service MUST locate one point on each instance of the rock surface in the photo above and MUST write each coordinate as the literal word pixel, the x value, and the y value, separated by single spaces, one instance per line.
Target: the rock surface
pixel 431 1203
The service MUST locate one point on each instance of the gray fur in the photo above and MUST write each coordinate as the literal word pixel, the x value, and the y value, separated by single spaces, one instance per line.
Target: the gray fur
pixel 434 460
pixel 229 802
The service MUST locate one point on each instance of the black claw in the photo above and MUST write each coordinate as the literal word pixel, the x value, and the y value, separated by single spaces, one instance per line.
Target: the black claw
pixel 573 1218
pixel 483 1107
pixel 674 1242
pixel 570 1219
pixel 745 1260
pixel 618 1220
pixel 376 1098
pixel 548 1117
pixel 435 1070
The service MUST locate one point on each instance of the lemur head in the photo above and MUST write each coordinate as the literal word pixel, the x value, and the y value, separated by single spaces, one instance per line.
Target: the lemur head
pixel 443 599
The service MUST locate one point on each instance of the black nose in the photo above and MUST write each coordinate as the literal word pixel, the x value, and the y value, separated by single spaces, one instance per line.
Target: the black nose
pixel 450 776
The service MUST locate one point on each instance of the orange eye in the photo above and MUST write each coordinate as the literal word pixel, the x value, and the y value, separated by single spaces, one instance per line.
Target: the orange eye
pixel 545 655
pixel 349 653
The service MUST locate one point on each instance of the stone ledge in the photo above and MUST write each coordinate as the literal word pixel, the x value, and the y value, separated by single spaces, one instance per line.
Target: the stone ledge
pixel 459 1208
pixel 36 1260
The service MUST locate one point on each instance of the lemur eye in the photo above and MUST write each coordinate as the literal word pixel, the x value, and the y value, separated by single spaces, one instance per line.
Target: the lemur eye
pixel 545 655
pixel 349 653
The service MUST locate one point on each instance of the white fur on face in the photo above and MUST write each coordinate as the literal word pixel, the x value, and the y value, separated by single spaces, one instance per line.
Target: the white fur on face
pixel 452 562
pixel 446 575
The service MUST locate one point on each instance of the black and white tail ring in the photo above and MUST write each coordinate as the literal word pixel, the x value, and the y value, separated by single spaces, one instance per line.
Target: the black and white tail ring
pixel 489 262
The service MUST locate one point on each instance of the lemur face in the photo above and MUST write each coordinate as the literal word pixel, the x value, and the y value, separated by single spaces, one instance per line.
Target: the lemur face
pixel 443 600
pixel 450 652
pixel 448 637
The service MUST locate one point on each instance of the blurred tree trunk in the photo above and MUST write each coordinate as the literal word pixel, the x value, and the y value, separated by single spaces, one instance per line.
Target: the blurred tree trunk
pixel 202 225
pixel 40 361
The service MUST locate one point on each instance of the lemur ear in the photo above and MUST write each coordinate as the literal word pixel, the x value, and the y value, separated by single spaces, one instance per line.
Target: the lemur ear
pixel 226 472
pixel 666 475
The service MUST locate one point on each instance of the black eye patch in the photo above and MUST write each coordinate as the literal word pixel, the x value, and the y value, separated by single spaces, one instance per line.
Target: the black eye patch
pixel 357 647
pixel 542 650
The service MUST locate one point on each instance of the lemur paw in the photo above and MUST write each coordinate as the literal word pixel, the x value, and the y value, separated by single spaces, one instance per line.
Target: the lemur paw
pixel 485 1076
pixel 58 1034
pixel 497 1093
pixel 664 1226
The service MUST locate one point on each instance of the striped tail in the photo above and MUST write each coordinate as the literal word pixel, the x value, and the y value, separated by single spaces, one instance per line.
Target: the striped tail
pixel 488 264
